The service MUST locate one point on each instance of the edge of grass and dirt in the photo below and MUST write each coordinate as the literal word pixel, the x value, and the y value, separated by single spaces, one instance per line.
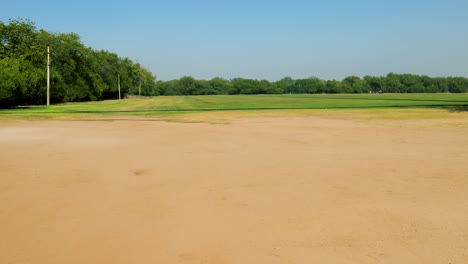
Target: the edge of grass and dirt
pixel 224 109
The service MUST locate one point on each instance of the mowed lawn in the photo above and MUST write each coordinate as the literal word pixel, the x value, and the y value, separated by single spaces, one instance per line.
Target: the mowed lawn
pixel 179 104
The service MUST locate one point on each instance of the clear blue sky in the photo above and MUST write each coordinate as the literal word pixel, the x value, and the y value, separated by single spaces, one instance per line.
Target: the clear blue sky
pixel 266 39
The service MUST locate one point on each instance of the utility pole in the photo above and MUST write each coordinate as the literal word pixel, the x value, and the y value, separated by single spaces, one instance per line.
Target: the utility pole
pixel 119 84
pixel 139 90
pixel 48 75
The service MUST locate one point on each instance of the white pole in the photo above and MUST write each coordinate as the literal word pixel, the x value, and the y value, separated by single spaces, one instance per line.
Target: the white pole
pixel 48 76
pixel 139 90
pixel 119 85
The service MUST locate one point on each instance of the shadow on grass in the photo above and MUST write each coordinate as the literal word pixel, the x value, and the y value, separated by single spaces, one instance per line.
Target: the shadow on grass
pixel 21 107
pixel 14 107
pixel 377 98
pixel 456 108
pixel 451 108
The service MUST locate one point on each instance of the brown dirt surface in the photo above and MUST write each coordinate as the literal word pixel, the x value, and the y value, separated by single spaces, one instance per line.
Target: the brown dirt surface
pixel 251 190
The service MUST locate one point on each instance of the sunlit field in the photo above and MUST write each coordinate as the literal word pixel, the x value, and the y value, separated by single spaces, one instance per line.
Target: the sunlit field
pixel 160 106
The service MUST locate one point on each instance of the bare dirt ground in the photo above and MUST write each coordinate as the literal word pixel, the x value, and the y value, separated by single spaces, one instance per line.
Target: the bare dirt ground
pixel 257 190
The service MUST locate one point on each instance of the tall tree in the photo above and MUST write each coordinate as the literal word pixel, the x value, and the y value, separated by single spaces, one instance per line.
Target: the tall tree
pixel 78 73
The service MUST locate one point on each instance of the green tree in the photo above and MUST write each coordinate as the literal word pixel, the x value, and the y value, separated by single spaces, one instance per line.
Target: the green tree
pixel 187 85
pixel 375 84
pixel 220 85
pixel 310 85
pixel 286 84
pixel 354 84
pixel 333 87
pixel 458 84
pixel 11 82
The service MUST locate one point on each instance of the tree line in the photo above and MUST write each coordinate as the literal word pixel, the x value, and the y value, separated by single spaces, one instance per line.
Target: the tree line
pixel 78 72
pixel 392 83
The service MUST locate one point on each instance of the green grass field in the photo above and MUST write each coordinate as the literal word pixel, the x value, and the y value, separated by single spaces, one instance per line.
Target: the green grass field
pixel 161 106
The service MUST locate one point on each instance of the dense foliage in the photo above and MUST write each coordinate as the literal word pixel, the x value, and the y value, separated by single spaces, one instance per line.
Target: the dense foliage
pixel 78 73
pixel 392 83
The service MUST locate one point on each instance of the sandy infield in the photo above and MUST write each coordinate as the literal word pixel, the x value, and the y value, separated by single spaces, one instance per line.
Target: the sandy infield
pixel 258 190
